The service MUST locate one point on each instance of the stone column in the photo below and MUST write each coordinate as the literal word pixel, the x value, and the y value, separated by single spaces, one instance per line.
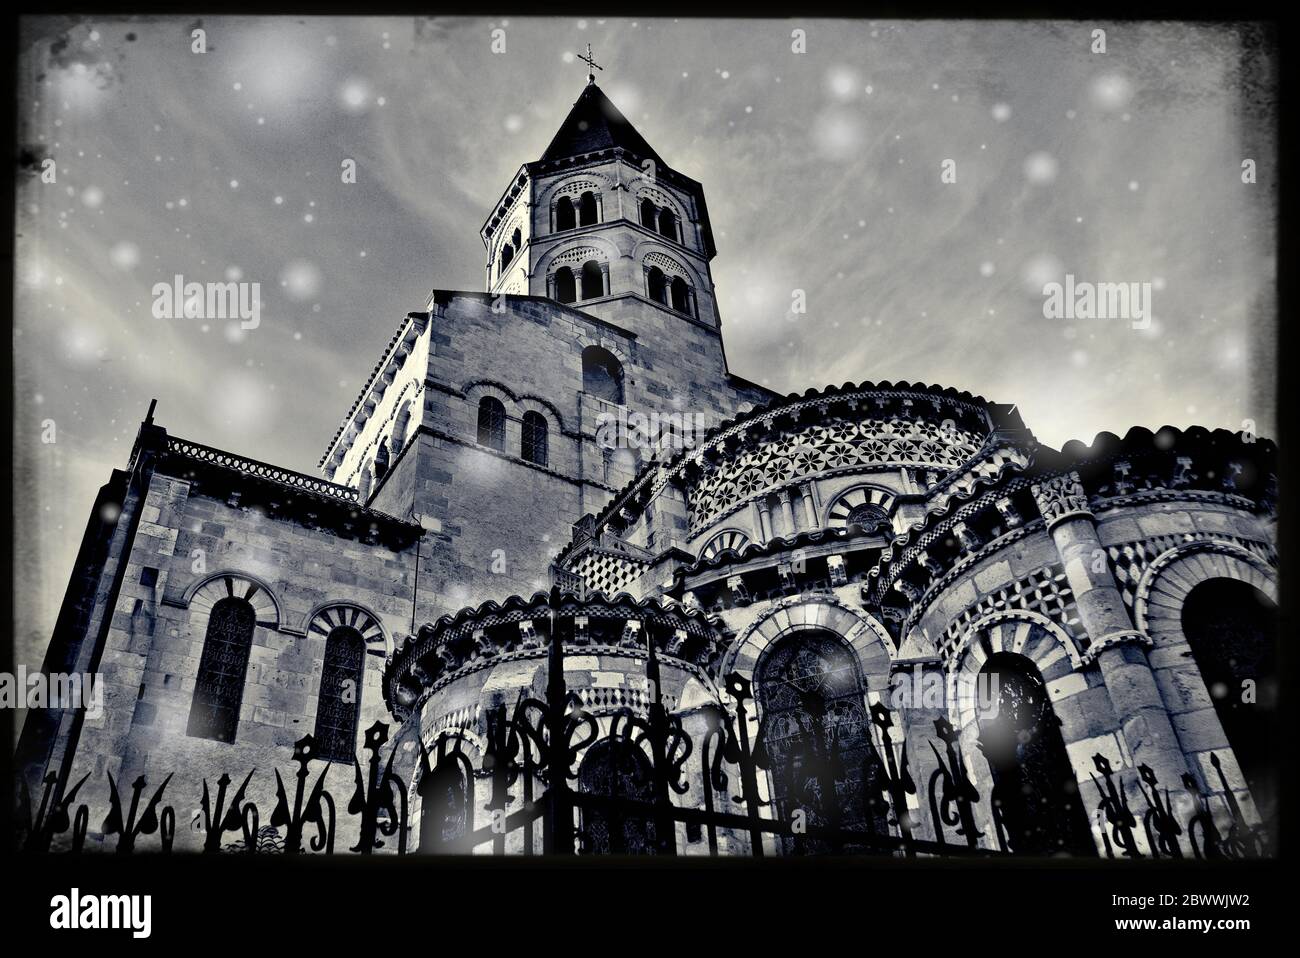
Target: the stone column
pixel 787 511
pixel 764 519
pixel 809 509
pixel 1115 645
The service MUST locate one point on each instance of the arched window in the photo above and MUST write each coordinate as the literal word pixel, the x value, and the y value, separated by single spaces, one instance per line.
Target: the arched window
pixel 397 442
pixel 602 375
pixel 593 280
pixel 1034 789
pixel 657 285
pixel 667 224
pixel 865 507
pixel 339 705
pixel 219 688
pixel 731 539
pixel 681 295
pixel 516 240
pixel 587 210
pixel 616 768
pixel 535 438
pixel 649 215
pixel 492 423
pixel 507 254
pixel 815 737
pixel 565 219
pixel 1231 628
pixel 381 462
pixel 566 287
pixel 363 487
pixel 444 800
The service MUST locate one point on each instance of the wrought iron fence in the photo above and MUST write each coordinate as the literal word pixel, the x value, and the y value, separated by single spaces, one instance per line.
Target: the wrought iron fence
pixel 530 767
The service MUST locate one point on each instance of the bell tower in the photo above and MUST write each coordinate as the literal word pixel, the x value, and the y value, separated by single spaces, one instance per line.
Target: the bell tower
pixel 600 222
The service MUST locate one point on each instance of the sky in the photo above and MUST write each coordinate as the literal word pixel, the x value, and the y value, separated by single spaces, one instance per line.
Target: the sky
pixel 918 182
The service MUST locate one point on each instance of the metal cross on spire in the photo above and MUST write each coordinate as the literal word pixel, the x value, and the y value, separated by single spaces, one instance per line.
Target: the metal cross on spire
pixel 591 65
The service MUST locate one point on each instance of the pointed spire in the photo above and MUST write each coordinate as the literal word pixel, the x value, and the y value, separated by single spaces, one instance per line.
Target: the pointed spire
pixel 595 124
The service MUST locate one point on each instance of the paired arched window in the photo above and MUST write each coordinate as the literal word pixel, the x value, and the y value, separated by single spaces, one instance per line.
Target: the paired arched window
pixel 535 438
pixel 657 285
pixel 661 220
pixel 223 664
pixel 587 213
pixel 1231 628
pixel 602 375
pixel 1035 794
pixel 593 280
pixel 566 287
pixel 565 216
pixel 816 735
pixel 616 768
pixel 492 423
pixel 339 707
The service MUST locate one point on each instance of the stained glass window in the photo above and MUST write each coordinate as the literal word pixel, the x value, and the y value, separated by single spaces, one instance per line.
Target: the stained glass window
pixel 535 439
pixel 491 423
pixel 616 769
pixel 219 688
pixel 339 705
pixel 816 738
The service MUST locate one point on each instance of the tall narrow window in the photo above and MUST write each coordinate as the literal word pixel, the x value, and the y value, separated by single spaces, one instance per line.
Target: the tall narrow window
pixel 602 375
pixel 593 280
pixel 566 287
pixel 339 706
pixel 492 423
pixel 681 295
pixel 667 224
pixel 219 688
pixel 587 210
pixel 516 240
pixel 507 254
pixel 535 439
pixel 657 285
pixel 397 442
pixel 816 737
pixel 649 215
pixel 1034 789
pixel 1232 629
pixel 617 769
pixel 565 219
pixel 381 462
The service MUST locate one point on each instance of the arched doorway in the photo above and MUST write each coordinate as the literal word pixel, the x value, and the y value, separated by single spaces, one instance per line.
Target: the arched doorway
pixel 815 738
pixel 616 768
pixel 1034 788
pixel 444 800
pixel 1231 627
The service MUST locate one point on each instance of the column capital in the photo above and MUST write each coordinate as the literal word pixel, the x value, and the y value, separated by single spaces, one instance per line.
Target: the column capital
pixel 1061 497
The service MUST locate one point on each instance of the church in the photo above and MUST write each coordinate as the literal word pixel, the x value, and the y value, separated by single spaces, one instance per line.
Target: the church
pixel 566 582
